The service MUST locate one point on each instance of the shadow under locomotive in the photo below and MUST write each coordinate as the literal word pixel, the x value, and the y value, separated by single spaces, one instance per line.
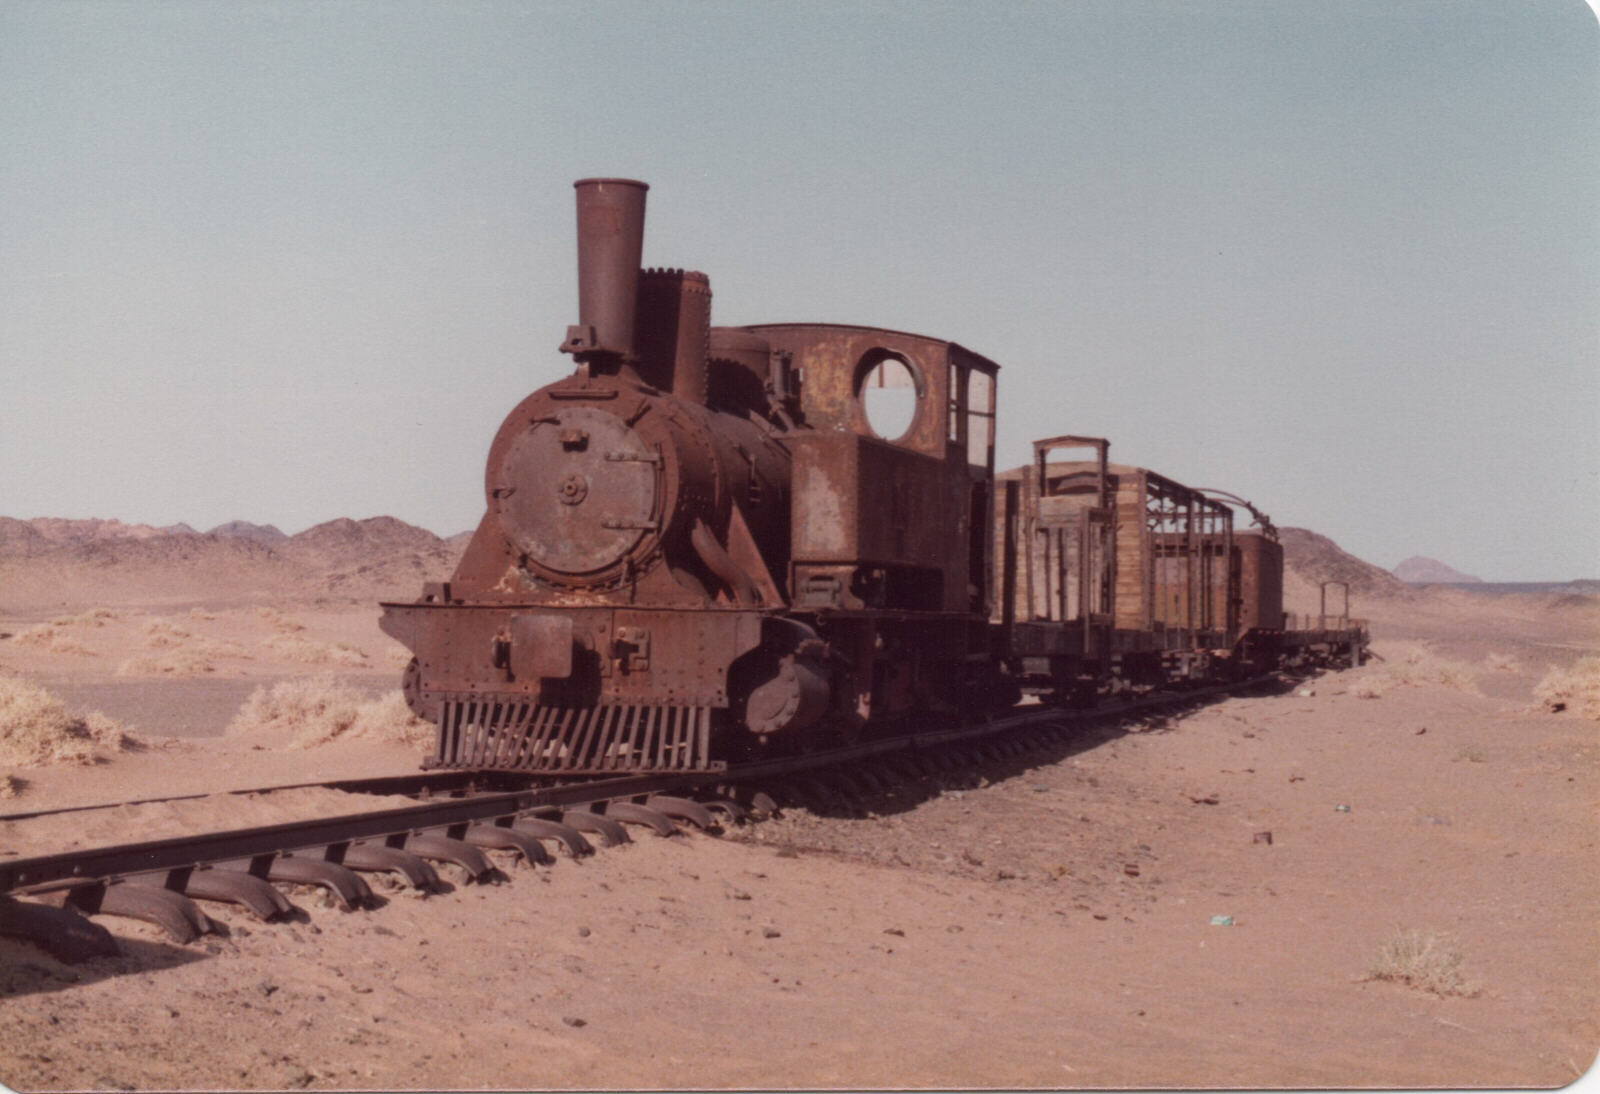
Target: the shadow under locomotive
pixel 899 783
pixel 714 544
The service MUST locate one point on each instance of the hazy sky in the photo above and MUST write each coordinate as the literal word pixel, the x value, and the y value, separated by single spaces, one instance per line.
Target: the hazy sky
pixel 284 262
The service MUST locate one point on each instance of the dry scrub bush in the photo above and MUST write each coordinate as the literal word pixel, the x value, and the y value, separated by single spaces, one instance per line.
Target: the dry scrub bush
pixel 1500 662
pixel 279 620
pixel 95 617
pixel 318 711
pixel 54 637
pixel 1421 959
pixel 162 633
pixel 51 637
pixel 37 635
pixel 306 651
pixel 1421 669
pixel 181 661
pixel 1576 688
pixel 36 728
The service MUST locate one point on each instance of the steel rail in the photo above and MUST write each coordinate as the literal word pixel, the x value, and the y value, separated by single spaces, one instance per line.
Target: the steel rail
pixel 46 873
pixel 38 873
pixel 411 784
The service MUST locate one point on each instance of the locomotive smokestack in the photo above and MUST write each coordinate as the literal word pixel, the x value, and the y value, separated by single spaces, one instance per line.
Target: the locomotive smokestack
pixel 610 242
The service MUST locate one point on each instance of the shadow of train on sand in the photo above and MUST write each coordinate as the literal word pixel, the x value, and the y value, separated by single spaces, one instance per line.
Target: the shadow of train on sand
pixel 899 783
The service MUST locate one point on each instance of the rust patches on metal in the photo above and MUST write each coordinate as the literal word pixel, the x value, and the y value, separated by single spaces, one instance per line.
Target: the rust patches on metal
pixel 713 543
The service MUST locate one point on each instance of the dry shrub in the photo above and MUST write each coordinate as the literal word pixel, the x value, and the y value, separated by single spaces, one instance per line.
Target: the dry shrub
pixel 51 637
pixel 95 617
pixel 1425 960
pixel 318 711
pixel 162 633
pixel 390 719
pixel 1500 662
pixel 1420 669
pixel 181 661
pixel 200 613
pixel 36 728
pixel 10 786
pixel 55 635
pixel 37 635
pixel 225 647
pixel 1366 689
pixel 1576 688
pixel 279 620
pixel 293 648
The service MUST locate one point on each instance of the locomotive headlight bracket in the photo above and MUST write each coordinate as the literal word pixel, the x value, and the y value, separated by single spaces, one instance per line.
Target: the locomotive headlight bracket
pixel 630 649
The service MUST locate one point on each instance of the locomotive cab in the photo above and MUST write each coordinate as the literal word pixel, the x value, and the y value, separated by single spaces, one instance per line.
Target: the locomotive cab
pixel 891 502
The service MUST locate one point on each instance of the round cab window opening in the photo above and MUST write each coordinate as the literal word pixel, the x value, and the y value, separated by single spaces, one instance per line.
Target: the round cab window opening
pixel 888 388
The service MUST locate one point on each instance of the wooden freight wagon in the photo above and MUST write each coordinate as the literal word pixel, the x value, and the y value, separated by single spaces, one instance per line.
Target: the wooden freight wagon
pixel 1103 563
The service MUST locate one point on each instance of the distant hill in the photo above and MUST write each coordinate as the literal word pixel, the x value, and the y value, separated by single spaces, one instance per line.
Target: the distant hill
pixel 1430 571
pixel 20 539
pixel 1310 559
pixel 379 553
pixel 51 562
pixel 243 529
pixel 55 562
pixel 356 541
pixel 44 533
pixel 1316 558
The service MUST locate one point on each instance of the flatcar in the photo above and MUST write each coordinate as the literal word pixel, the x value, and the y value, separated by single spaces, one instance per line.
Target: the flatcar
pixel 708 543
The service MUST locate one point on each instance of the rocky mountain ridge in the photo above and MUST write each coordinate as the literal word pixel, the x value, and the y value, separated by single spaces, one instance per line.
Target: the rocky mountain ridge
pixel 47 559
pixel 243 529
pixel 1418 570
pixel 55 561
pixel 1315 558
pixel 50 533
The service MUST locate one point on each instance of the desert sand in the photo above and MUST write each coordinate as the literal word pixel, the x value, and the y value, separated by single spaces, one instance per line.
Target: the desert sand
pixel 1108 915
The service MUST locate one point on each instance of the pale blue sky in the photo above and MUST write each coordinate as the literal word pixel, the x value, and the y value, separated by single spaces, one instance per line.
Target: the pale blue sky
pixel 284 262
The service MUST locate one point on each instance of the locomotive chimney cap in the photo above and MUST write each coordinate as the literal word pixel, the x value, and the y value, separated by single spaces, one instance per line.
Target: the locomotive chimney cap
pixel 611 182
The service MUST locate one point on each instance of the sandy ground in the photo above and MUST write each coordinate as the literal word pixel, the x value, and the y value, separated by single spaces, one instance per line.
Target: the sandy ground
pixel 1033 926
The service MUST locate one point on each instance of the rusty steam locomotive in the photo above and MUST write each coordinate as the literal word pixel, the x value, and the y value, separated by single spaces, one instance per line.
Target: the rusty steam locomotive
pixel 711 541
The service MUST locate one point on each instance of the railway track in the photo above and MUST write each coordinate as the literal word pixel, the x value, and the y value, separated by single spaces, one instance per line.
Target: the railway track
pixel 457 817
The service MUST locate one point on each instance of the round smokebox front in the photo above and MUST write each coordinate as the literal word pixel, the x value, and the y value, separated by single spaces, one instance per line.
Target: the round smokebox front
pixel 578 491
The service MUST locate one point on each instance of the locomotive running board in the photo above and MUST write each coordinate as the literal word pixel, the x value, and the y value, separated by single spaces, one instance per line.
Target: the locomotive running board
pixel 478 734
